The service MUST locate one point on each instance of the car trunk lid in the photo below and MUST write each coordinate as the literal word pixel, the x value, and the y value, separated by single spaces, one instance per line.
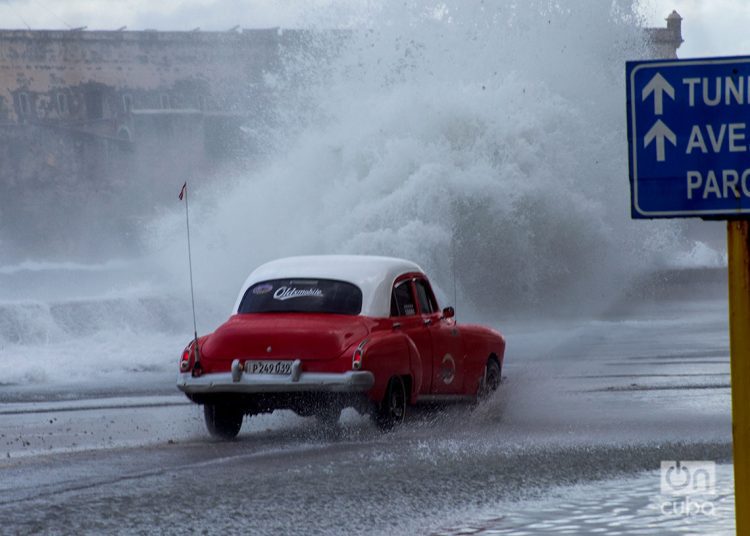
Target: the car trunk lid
pixel 276 336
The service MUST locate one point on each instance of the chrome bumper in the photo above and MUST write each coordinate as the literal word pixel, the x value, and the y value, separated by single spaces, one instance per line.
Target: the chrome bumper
pixel 237 381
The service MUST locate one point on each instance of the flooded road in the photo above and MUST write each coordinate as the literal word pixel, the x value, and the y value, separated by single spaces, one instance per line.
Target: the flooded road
pixel 572 443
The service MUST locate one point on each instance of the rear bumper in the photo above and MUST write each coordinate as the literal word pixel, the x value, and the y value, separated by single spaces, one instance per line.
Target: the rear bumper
pixel 237 381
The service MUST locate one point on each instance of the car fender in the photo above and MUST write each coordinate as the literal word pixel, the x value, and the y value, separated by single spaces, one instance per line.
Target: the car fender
pixel 392 354
pixel 479 344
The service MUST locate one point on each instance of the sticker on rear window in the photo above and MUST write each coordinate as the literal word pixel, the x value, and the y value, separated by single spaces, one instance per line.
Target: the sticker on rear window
pixel 287 293
pixel 263 289
pixel 302 296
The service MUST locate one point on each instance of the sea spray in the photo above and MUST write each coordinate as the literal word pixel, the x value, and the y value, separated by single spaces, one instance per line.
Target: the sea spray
pixel 485 139
pixel 489 137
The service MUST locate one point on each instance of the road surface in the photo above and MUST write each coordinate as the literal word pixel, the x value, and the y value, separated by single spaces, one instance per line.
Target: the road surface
pixel 573 441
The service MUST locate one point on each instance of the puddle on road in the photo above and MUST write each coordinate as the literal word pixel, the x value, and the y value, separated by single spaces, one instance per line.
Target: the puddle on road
pixel 621 506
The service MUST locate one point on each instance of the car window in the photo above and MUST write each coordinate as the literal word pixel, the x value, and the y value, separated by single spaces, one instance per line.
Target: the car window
pixel 427 302
pixel 402 301
pixel 302 296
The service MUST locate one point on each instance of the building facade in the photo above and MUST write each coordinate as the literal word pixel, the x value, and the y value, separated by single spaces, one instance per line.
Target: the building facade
pixel 87 118
pixel 90 118
pixel 664 42
pixel 119 85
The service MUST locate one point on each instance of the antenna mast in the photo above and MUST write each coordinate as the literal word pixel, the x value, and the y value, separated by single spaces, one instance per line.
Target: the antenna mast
pixel 453 267
pixel 184 193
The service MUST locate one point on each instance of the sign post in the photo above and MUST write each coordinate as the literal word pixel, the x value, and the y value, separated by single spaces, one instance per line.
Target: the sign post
pixel 689 156
pixel 738 249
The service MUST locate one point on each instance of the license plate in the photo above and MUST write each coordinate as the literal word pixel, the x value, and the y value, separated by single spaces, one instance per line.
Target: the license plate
pixel 282 368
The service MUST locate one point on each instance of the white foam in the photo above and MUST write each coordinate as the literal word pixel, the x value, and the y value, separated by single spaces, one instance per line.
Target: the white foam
pixel 701 255
pixel 457 134
pixel 52 266
pixel 492 137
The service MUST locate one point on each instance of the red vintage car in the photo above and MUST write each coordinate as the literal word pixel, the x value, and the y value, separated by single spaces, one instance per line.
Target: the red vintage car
pixel 320 333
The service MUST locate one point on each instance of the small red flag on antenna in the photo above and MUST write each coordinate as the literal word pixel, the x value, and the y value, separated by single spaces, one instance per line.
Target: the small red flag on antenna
pixel 183 190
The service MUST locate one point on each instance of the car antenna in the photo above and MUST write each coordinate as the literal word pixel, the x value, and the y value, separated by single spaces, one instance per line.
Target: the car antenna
pixel 184 195
pixel 453 268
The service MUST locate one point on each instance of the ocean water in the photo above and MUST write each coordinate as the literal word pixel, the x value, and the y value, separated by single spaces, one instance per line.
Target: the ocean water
pixel 486 142
pixel 71 322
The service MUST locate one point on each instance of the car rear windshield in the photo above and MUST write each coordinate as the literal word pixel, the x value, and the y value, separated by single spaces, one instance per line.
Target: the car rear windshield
pixel 302 296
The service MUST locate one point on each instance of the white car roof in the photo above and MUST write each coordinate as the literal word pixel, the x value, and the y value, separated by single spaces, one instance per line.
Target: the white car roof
pixel 373 275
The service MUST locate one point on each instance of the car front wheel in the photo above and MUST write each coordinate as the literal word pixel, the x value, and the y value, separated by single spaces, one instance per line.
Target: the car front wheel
pixel 392 410
pixel 223 421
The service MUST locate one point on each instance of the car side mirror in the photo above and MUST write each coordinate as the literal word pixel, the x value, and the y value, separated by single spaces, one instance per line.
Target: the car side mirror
pixel 449 312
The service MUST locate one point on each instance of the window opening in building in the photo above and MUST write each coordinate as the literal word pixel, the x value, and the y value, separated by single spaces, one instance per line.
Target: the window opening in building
pixel 94 99
pixel 24 103
pixel 62 103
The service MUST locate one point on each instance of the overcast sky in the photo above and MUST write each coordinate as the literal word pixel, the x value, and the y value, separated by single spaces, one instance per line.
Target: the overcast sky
pixel 160 14
pixel 710 27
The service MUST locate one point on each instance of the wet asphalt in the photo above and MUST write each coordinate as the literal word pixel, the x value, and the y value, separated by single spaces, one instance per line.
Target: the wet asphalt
pixel 582 402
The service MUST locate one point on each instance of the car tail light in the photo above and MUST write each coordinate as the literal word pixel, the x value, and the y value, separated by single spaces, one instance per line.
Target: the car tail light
pixel 357 359
pixel 190 359
pixel 185 360
pixel 359 354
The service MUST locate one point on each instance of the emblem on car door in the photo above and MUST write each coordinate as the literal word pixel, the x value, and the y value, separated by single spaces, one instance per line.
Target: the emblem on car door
pixel 448 369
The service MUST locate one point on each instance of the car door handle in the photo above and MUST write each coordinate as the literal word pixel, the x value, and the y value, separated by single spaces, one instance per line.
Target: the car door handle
pixel 397 325
pixel 427 321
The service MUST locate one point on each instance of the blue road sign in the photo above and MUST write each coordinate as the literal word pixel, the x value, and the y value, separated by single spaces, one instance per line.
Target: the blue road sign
pixel 689 137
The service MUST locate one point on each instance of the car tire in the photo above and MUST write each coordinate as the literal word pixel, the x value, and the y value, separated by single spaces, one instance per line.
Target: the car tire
pixel 392 410
pixel 223 421
pixel 490 381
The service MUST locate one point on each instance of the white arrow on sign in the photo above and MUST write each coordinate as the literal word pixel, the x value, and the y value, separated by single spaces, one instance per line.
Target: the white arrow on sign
pixel 659 132
pixel 658 86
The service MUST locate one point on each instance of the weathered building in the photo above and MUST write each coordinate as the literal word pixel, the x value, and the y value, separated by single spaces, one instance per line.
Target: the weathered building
pixel 664 42
pixel 111 122
pixel 110 113
pixel 119 85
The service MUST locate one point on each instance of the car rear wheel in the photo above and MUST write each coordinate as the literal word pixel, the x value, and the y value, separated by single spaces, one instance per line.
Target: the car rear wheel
pixel 223 421
pixel 392 410
pixel 491 380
